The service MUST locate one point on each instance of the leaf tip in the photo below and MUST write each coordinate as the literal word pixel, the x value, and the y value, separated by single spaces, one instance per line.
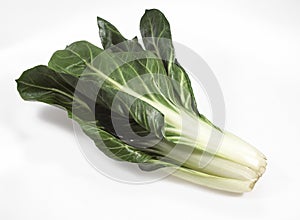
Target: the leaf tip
pixel 101 21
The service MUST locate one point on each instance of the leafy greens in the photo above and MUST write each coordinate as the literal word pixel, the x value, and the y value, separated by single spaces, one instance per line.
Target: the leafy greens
pixel 147 90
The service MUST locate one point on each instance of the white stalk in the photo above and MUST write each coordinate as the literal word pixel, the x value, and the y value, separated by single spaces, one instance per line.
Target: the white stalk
pixel 220 183
pixel 199 135
pixel 231 163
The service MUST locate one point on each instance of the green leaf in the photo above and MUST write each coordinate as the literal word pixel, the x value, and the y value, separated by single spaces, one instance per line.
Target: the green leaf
pixel 112 39
pixel 120 79
pixel 156 33
pixel 157 37
pixel 112 146
pixel 109 34
pixel 45 85
pixel 162 47
pixel 74 58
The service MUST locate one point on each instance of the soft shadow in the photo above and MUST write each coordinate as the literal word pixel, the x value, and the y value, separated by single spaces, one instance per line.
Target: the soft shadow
pixel 57 117
pixel 199 187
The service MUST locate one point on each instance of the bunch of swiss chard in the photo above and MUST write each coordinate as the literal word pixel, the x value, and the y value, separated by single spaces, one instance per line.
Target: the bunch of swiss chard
pixel 137 104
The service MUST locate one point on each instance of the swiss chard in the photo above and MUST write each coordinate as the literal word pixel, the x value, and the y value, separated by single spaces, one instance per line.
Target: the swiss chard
pixel 147 90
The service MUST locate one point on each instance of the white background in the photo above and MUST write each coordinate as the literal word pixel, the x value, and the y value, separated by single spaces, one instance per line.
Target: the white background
pixel 253 48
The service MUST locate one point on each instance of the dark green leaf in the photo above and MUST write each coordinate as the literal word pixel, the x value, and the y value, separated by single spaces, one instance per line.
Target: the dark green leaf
pixel 112 39
pixel 112 146
pixel 157 37
pixel 109 34
pixel 45 85
pixel 74 58
pixel 156 33
pixel 120 79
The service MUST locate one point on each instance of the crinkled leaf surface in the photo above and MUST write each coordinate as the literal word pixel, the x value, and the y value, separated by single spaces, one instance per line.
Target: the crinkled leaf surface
pixel 156 32
pixel 133 83
pixel 45 85
pixel 113 40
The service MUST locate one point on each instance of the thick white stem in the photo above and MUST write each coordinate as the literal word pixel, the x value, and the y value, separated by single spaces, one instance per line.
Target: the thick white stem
pixel 199 135
pixel 215 182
